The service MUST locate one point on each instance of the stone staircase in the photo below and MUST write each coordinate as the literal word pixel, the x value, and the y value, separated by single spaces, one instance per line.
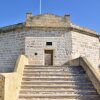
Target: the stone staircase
pixel 56 83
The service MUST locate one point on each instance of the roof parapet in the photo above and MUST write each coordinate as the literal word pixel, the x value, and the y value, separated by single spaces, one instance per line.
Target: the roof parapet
pixel 67 20
pixel 83 29
pixel 48 21
pixel 28 15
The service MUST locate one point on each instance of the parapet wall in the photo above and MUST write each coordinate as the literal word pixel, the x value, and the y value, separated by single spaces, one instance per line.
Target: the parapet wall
pixel 47 20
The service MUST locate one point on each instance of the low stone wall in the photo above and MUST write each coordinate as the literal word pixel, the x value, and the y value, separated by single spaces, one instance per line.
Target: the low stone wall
pixel 91 71
pixel 12 81
pixel 2 87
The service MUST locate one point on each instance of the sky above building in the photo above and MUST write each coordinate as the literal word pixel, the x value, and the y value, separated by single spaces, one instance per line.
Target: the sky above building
pixel 85 13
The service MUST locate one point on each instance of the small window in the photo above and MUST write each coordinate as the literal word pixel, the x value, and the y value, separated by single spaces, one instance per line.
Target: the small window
pixel 36 54
pixel 49 43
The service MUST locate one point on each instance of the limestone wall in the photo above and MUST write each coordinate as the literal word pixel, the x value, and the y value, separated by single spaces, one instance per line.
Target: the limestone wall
pixel 61 47
pixel 10 47
pixel 12 44
pixel 86 46
pixel 35 42
pixel 66 45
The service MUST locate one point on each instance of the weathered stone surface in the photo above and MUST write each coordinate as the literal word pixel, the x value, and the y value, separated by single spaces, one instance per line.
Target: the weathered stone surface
pixel 30 39
pixel 46 20
pixel 86 46
pixel 60 47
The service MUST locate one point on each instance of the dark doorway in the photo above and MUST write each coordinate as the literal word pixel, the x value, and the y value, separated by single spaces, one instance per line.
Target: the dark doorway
pixel 48 57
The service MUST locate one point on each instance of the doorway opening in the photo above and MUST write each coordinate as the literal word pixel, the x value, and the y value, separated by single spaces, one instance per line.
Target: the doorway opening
pixel 48 57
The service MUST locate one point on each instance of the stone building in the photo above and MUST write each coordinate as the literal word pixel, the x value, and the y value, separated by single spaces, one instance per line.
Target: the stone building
pixel 49 58
pixel 47 39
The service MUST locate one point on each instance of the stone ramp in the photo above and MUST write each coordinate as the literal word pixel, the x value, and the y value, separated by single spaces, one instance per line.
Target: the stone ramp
pixel 56 83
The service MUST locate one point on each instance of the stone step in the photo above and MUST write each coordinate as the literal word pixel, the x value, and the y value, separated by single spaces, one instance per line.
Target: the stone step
pixel 54 80
pixel 69 68
pixel 56 89
pixel 40 66
pixel 61 72
pixel 48 76
pixel 64 70
pixel 60 98
pixel 67 96
pixel 58 83
pixel 57 92
pixel 57 79
pixel 53 74
pixel 56 86
pixel 50 66
pixel 31 67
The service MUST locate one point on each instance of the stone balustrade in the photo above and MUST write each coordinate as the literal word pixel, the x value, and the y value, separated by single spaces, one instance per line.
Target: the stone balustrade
pixel 11 81
pixel 91 71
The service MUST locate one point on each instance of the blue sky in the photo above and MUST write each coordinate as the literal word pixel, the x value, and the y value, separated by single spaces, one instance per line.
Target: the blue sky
pixel 83 12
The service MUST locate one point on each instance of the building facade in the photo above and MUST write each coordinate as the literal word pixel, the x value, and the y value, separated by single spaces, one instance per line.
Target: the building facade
pixel 47 39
